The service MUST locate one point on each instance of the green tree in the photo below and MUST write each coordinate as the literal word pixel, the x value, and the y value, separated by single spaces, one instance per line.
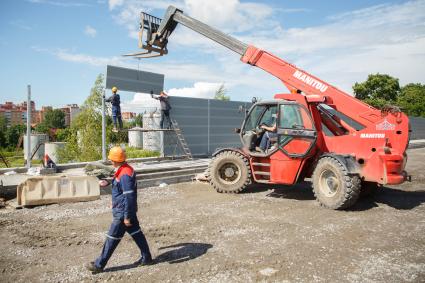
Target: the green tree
pixel 220 93
pixel 84 141
pixel 42 128
pixel 63 134
pixel 3 129
pixel 137 122
pixel 412 99
pixel 84 138
pixel 13 133
pixel 378 90
pixel 54 118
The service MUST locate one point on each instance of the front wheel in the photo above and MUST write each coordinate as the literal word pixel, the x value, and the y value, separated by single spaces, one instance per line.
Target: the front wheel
pixel 333 186
pixel 229 172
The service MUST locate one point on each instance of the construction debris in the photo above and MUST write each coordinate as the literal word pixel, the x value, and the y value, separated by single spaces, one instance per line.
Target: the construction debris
pixel 98 170
pixel 201 177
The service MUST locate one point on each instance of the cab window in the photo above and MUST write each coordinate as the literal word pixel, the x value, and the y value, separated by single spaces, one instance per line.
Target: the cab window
pixel 269 117
pixel 254 116
pixel 293 116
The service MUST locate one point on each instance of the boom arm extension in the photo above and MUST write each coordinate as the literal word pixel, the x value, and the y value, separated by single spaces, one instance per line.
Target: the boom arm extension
pixel 290 75
pixel 174 16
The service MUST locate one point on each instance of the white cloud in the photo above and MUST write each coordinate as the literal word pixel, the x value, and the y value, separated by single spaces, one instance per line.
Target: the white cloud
pixel 142 102
pixel 199 90
pixel 60 3
pixel 173 70
pixel 115 3
pixel 87 59
pixel 90 31
pixel 21 24
pixel 66 55
pixel 229 15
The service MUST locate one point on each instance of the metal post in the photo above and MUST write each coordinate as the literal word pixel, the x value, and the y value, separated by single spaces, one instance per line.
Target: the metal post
pixel 103 128
pixel 208 129
pixel 29 128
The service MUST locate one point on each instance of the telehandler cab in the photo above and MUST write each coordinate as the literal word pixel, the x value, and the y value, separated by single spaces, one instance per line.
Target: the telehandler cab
pixel 345 145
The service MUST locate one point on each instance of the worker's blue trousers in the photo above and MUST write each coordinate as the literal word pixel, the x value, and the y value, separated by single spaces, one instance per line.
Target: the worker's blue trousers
pixel 114 236
pixel 116 117
pixel 265 140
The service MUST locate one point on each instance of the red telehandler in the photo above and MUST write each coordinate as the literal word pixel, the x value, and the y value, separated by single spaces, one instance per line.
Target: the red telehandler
pixel 345 145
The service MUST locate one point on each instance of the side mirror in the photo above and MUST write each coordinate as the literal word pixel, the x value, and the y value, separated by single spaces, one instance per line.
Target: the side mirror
pixel 254 100
pixel 237 130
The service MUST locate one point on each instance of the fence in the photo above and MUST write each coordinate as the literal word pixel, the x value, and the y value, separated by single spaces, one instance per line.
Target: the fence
pixel 417 125
pixel 207 124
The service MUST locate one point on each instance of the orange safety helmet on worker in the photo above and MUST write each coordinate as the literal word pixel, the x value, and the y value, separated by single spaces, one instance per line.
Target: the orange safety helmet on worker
pixel 117 154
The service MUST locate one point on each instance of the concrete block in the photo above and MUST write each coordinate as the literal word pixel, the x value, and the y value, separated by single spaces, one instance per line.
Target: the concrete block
pixel 48 171
pixel 57 189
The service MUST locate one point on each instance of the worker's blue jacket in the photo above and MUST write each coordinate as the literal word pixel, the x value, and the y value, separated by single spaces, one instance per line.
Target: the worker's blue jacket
pixel 124 193
pixel 114 99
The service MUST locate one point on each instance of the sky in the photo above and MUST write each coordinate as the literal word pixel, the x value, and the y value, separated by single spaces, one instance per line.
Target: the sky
pixel 60 46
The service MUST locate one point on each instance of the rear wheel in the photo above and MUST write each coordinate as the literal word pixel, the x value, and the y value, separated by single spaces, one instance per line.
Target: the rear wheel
pixel 333 186
pixel 229 172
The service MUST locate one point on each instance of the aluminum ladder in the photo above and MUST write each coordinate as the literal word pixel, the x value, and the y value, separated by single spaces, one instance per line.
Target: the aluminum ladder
pixel 181 139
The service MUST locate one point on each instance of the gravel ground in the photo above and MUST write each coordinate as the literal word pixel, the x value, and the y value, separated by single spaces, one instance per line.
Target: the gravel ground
pixel 268 234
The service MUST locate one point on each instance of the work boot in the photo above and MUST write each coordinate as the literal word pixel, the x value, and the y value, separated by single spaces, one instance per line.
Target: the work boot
pixel 93 268
pixel 143 262
pixel 115 130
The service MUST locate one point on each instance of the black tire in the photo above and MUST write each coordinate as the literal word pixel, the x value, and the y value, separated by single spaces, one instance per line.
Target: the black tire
pixel 369 189
pixel 229 172
pixel 333 186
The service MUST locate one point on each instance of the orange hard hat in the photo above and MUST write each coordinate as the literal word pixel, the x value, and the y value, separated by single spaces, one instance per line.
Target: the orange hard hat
pixel 117 154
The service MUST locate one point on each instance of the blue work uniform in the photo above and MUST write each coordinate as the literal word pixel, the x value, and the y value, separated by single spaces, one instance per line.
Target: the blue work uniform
pixel 115 100
pixel 124 206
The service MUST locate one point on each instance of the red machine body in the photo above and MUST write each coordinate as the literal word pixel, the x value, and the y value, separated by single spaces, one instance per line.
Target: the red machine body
pixel 379 148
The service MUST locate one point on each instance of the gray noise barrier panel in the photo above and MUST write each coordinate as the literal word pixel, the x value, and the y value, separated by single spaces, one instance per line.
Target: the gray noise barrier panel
pixel 134 80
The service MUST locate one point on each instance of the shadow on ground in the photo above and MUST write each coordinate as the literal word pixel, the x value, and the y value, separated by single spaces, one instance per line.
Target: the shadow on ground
pixel 8 193
pixel 395 198
pixel 299 191
pixel 182 252
pixel 174 254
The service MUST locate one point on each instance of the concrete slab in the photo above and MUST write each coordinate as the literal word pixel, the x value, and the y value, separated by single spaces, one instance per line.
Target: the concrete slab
pixel 57 189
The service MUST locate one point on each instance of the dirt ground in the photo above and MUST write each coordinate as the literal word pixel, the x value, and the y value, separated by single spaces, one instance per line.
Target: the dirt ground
pixel 267 234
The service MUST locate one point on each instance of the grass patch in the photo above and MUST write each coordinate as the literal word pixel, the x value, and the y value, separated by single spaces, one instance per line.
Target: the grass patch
pixel 133 152
pixel 15 159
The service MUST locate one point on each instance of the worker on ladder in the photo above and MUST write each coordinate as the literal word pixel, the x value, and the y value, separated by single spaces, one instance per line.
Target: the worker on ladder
pixel 165 108
pixel 114 99
pixel 124 213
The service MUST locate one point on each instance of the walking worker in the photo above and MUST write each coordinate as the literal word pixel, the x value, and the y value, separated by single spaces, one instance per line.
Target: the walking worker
pixel 114 99
pixel 165 108
pixel 124 212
